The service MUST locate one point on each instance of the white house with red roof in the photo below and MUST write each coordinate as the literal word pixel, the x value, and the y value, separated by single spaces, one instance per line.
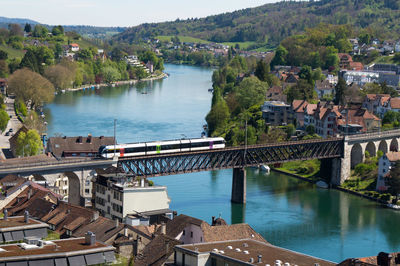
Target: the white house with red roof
pixel 74 47
pixel 385 164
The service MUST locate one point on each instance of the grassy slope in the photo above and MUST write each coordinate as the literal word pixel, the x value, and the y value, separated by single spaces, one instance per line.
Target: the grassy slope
pixel 12 53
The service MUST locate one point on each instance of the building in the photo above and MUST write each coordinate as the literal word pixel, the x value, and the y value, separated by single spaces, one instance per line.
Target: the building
pixel 360 77
pixel 325 120
pixel 382 258
pixel 386 162
pixel 386 67
pixel 374 101
pixel 298 107
pixel 117 194
pixel 277 113
pixel 74 47
pixel 324 89
pixel 241 252
pixel 3 86
pixel 73 251
pixel 17 228
pixel 275 93
pixel 77 146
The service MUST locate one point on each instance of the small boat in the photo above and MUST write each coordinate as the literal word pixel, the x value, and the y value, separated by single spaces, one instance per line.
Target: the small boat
pixel 322 184
pixel 211 90
pixel 63 91
pixel 265 168
pixel 113 85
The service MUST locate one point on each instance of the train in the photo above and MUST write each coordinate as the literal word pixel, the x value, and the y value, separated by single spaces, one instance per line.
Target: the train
pixel 160 147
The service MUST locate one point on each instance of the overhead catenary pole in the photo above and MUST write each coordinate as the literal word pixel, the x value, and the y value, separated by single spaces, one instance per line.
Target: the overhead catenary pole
pixel 115 133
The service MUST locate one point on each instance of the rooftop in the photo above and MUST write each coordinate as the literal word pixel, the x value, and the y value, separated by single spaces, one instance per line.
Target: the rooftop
pixel 247 249
pixel 18 223
pixel 56 248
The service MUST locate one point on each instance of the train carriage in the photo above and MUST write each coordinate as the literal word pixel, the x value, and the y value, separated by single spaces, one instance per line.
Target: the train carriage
pixel 161 147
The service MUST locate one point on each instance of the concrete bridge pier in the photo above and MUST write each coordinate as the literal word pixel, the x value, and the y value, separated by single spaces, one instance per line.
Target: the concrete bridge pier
pixel 239 185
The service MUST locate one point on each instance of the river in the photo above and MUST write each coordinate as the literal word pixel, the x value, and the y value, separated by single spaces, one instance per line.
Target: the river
pixel 287 212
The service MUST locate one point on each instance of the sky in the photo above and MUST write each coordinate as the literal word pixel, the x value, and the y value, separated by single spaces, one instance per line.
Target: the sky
pixel 118 12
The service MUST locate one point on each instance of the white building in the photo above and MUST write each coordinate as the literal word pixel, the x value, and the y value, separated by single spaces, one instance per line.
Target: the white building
pixel 116 195
pixel 385 164
pixel 360 77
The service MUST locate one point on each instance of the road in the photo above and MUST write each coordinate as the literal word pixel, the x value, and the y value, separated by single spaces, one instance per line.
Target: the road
pixel 14 123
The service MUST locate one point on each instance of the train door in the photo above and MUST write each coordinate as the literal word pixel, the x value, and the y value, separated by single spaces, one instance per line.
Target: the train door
pixel 121 152
pixel 158 148
pixel 211 144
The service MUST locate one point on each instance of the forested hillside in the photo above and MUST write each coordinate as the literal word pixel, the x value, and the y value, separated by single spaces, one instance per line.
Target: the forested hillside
pixel 273 22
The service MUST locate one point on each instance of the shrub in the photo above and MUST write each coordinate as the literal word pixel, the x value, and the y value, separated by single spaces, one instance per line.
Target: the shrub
pixel 385 197
pixel 363 169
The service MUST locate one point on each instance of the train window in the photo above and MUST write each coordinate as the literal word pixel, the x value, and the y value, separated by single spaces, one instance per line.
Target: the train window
pixel 219 142
pixel 112 150
pixel 200 144
pixel 170 147
pixel 151 148
pixel 135 149
pixel 185 145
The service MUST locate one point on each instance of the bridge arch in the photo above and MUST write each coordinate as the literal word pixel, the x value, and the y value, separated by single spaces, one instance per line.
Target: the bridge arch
pixel 394 145
pixel 371 149
pixel 383 146
pixel 356 155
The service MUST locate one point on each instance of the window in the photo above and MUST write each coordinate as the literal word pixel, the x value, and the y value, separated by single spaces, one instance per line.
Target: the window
pixel 87 191
pixel 183 232
pixel 191 234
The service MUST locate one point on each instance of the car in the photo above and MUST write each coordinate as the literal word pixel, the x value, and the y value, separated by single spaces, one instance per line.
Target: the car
pixel 11 130
pixel 10 116
pixel 7 133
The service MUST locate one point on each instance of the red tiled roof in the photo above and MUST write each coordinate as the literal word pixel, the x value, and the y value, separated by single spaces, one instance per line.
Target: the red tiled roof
pixel 395 103
pixel 393 156
pixel 299 105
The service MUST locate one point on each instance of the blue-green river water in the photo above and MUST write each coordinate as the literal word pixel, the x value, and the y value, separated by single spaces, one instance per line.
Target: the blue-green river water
pixel 287 212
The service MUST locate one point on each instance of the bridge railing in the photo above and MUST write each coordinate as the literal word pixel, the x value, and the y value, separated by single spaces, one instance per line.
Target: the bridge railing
pixel 55 162
pixel 394 132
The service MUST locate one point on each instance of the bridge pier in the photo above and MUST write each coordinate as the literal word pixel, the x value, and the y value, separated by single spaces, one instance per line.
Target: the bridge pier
pixel 331 169
pixel 239 185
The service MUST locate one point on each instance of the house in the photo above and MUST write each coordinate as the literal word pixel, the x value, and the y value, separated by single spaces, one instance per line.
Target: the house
pixel 150 66
pixel 386 162
pixel 325 118
pixel 324 89
pixel 74 251
pixel 298 107
pixel 19 227
pixel 277 113
pixel 359 116
pixel 373 101
pixel 184 229
pixel 360 77
pixel 77 146
pixel 74 47
pixel 394 104
pixel 13 140
pixel 275 93
pixel 382 258
pixel 117 194
pixel 241 252
pixel 344 60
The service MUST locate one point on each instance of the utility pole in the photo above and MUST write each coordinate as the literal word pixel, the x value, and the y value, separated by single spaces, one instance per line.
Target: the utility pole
pixel 115 133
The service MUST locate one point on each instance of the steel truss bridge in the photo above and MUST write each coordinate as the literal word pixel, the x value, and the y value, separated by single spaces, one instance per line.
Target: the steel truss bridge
pixel 236 157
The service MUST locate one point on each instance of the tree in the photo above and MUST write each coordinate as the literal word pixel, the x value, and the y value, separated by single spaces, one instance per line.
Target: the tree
pixel 217 117
pixel 30 87
pixel 111 74
pixel 251 91
pixel 60 76
pixel 3 55
pixel 262 70
pixel 40 31
pixel 57 30
pixel 3 69
pixel 395 179
pixel 390 117
pixel 340 91
pixel 29 143
pixel 303 90
pixel 15 30
pixel 396 58
pixel 36 58
pixel 3 119
pixel 280 56
pixel 28 27
pixel 310 129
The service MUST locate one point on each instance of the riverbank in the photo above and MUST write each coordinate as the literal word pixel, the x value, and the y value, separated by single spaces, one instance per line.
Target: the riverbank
pixel 117 83
pixel 384 203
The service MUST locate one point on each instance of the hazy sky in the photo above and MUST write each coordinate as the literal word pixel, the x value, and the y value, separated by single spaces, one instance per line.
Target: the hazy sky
pixel 117 12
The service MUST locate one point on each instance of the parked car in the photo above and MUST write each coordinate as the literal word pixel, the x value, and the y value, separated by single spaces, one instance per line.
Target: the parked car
pixel 7 133
pixel 11 130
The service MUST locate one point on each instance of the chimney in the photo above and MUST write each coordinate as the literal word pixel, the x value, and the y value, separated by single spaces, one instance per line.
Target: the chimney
pixel 89 138
pixel 213 220
pixel 116 222
pixel 384 259
pixel 95 216
pixel 79 139
pixel 5 212
pixel 26 217
pixel 126 232
pixel 142 182
pixel 163 229
pixel 90 238
pixel 259 258
pixel 29 193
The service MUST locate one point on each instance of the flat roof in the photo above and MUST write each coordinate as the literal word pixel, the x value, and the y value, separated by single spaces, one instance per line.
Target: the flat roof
pixel 244 250
pixel 18 223
pixel 51 249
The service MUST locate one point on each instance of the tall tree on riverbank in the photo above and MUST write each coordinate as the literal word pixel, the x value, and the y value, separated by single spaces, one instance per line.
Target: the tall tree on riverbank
pixel 60 76
pixel 30 87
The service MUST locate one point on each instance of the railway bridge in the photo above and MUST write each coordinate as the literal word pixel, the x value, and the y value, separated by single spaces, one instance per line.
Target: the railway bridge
pixel 337 155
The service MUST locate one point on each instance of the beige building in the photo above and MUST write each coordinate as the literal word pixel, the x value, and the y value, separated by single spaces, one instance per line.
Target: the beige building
pixel 117 195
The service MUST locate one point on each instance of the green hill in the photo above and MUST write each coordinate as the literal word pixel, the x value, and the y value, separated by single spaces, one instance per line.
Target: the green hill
pixel 273 22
